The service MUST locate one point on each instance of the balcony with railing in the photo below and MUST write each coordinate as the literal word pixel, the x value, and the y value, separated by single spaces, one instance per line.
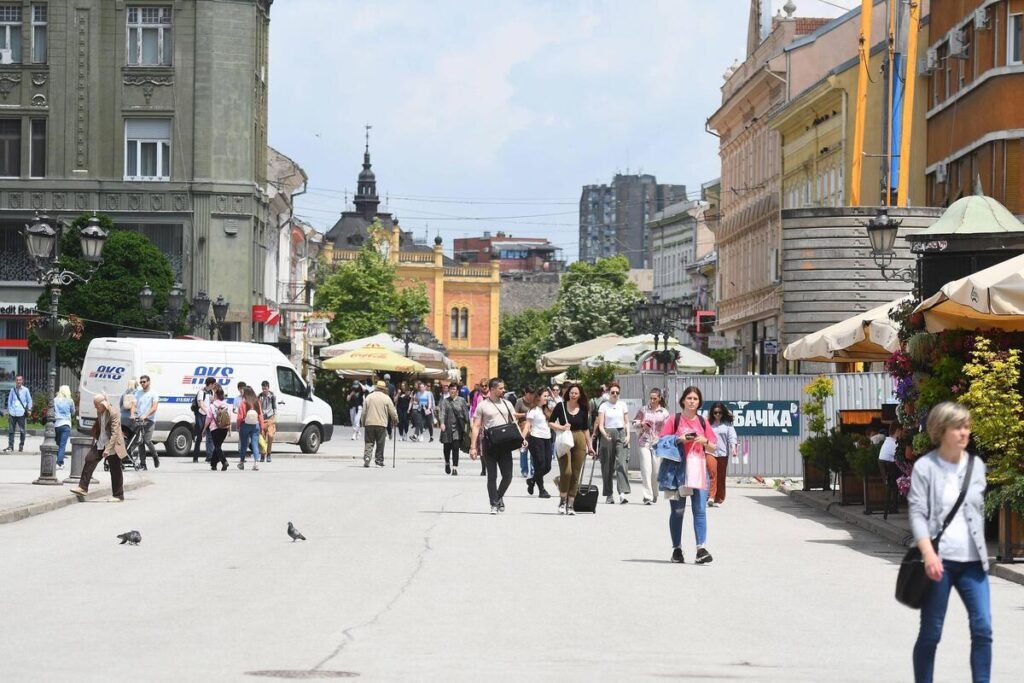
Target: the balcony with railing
pixel 295 295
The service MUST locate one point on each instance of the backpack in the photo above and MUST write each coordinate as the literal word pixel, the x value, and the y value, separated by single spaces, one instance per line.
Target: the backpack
pixel 252 417
pixel 223 417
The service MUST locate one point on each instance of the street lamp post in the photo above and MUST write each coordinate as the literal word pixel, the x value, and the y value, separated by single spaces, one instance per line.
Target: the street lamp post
pixel 658 317
pixel 882 230
pixel 44 245
pixel 407 330
pixel 199 318
pixel 175 300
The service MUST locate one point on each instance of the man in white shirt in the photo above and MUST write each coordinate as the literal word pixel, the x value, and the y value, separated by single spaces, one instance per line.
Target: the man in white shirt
pixel 887 466
pixel 203 399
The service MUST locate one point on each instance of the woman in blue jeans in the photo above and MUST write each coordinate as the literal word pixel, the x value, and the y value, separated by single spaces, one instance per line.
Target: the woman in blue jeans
pixel 63 409
pixel 250 425
pixel 961 560
pixel 689 477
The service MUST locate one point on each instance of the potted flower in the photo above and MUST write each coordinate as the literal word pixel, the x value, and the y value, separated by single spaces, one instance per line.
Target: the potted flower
pixel 56 328
pixel 994 399
pixel 864 464
pixel 815 451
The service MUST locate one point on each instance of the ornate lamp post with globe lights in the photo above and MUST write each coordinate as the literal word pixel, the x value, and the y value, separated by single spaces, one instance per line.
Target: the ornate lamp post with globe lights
pixel 407 330
pixel 43 238
pixel 882 230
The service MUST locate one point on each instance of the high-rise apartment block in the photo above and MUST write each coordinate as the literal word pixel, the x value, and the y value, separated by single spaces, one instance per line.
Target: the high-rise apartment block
pixel 613 218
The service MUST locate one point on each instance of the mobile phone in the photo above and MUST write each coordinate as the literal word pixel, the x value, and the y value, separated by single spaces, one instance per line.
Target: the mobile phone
pixel 689 436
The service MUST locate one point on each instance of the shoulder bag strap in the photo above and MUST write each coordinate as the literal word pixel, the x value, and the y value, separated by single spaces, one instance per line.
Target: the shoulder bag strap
pixel 959 500
pixel 17 395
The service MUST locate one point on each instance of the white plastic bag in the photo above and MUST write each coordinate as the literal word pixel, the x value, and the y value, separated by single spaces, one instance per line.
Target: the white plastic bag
pixel 564 442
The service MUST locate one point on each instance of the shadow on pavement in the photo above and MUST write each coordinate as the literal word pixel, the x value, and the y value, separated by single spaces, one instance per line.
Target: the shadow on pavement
pixel 860 540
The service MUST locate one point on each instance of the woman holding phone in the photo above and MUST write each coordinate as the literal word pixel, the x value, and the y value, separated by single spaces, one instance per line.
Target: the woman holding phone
pixel 689 477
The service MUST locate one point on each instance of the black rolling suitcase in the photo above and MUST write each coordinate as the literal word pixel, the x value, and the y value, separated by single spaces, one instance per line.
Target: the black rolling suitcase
pixel 586 496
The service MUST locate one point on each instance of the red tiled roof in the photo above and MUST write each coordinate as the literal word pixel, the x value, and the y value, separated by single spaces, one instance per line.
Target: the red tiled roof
pixel 807 25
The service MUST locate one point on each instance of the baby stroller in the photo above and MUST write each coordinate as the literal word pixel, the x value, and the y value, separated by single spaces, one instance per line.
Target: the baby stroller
pixel 132 442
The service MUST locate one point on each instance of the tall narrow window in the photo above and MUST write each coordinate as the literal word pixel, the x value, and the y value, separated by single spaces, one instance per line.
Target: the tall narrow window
pixel 455 324
pixel 10 33
pixel 39 34
pixel 149 36
pixel 1015 33
pixel 37 151
pixel 147 149
pixel 464 324
pixel 10 148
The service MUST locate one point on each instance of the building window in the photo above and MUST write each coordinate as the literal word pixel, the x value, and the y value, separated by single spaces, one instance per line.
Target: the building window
pixel 39 34
pixel 147 149
pixel 149 36
pixel 1013 38
pixel 10 148
pixel 37 151
pixel 455 324
pixel 10 33
pixel 464 324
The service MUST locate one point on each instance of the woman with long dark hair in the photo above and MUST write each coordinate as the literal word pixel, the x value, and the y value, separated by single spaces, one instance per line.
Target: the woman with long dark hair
pixel 250 424
pixel 402 406
pixel 538 435
pixel 725 446
pixel 688 477
pixel 572 415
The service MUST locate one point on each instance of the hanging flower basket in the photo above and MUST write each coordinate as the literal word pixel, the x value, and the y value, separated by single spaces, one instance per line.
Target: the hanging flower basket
pixel 56 329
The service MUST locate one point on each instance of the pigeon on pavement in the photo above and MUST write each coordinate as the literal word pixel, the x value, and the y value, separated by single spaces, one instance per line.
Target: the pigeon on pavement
pixel 130 537
pixel 294 533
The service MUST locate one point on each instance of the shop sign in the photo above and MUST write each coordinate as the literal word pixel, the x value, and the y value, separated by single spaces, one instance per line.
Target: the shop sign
pixel 762 418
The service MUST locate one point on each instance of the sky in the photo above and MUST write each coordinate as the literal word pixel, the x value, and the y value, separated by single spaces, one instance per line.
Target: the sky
pixel 491 114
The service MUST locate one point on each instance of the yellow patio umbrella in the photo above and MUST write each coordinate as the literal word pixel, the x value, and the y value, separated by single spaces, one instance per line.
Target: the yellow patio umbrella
pixel 373 357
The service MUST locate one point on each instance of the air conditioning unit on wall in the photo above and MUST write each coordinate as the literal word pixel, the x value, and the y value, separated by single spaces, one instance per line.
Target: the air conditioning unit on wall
pixel 931 61
pixel 957 47
pixel 981 19
pixel 940 173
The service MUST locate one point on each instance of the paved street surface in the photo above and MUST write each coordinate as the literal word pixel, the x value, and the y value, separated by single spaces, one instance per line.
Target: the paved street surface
pixel 406 578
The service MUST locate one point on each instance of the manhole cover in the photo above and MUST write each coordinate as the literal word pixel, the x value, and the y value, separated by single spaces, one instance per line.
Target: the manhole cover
pixel 301 673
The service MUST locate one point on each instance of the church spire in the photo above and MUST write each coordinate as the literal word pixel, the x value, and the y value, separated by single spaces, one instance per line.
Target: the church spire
pixel 367 201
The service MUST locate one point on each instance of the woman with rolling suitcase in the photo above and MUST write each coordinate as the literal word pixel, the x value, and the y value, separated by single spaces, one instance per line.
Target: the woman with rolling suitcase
pixel 572 416
pixel 688 478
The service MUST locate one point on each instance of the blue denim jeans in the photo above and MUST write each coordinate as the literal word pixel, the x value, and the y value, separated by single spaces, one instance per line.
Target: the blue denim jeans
pixel 197 434
pixel 524 462
pixel 699 501
pixel 249 438
pixel 63 434
pixel 971 582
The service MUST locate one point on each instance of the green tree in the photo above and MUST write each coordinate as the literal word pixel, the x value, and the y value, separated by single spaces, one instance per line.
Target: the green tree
pixel 110 300
pixel 723 358
pixel 522 339
pixel 363 293
pixel 594 299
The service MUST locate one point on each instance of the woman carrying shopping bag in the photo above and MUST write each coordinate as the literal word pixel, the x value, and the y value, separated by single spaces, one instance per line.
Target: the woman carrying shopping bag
pixel 650 420
pixel 688 478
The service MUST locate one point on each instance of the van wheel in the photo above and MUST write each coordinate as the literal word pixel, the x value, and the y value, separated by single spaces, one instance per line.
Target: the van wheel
pixel 179 441
pixel 309 442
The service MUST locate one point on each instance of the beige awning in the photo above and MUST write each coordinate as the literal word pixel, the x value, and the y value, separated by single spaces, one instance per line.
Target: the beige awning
pixel 554 362
pixel 867 337
pixel 989 299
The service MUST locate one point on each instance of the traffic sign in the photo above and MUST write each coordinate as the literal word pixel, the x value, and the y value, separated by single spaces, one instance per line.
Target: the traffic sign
pixel 771 347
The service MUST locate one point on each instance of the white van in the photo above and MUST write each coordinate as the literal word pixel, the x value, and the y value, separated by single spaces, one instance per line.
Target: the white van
pixel 178 368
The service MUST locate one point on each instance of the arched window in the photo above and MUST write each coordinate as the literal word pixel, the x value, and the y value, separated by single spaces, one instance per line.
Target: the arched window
pixel 464 373
pixel 464 326
pixel 455 324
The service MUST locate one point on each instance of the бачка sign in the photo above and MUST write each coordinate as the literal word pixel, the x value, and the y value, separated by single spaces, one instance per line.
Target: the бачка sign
pixel 762 418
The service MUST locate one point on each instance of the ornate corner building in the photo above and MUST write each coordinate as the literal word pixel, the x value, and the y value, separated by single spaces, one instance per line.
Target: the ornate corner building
pixel 154 113
pixel 464 299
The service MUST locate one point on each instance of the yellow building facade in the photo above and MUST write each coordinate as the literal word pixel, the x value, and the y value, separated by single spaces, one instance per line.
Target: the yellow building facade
pixel 816 131
pixel 464 301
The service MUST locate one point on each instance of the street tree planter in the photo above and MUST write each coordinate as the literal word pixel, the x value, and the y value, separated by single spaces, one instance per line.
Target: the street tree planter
pixel 874 494
pixel 851 488
pixel 815 478
pixel 1011 535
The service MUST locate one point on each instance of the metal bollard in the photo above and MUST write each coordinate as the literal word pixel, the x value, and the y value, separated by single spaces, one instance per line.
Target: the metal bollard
pixel 80 447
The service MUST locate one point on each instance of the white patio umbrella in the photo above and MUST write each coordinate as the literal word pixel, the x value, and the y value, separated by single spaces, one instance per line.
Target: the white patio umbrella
pixel 992 298
pixel 628 352
pixel 554 362
pixel 868 336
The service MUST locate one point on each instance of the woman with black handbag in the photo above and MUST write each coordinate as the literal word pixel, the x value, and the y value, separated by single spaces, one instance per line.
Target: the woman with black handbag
pixel 496 418
pixel 947 500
